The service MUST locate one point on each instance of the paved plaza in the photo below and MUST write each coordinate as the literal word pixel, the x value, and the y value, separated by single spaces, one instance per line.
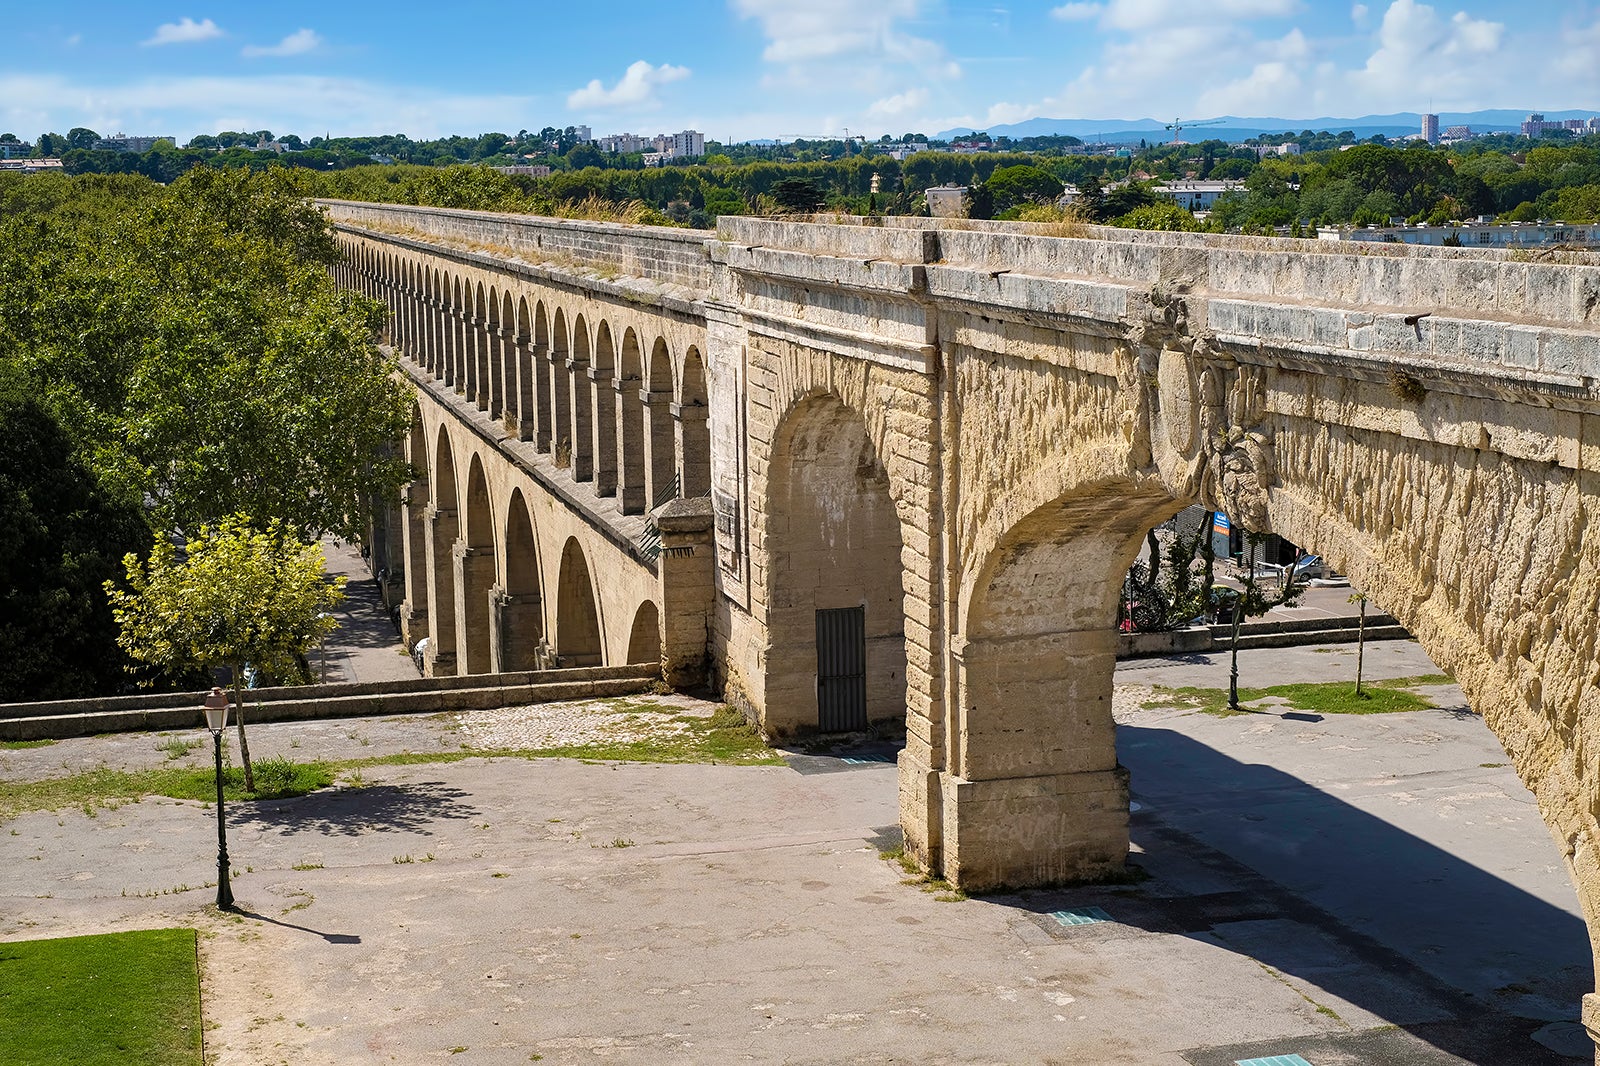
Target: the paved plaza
pixel 1374 889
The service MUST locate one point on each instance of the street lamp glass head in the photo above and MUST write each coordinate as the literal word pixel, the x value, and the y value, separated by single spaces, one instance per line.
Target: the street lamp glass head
pixel 216 710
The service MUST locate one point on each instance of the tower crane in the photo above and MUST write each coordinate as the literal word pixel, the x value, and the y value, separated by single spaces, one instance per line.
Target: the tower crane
pixel 1178 125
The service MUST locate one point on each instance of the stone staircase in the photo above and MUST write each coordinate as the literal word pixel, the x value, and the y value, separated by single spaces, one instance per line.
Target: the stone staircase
pixel 1287 633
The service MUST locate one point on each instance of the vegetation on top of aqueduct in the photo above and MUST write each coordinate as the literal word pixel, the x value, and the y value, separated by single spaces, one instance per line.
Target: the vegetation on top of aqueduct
pixel 168 357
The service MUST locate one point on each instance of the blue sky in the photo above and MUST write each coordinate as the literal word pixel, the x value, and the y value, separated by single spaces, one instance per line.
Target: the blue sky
pixel 775 68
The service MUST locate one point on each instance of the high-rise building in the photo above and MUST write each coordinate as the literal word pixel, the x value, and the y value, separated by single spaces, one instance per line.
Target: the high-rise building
pixel 688 143
pixel 1430 128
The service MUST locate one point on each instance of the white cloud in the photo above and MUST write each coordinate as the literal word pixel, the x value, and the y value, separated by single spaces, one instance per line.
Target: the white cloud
pixel 73 41
pixel 1421 55
pixel 636 89
pixel 184 31
pixel 816 37
pixel 1579 55
pixel 1076 12
pixel 823 28
pixel 1358 15
pixel 297 43
pixel 1274 78
pixel 302 104
pixel 1146 14
pixel 898 104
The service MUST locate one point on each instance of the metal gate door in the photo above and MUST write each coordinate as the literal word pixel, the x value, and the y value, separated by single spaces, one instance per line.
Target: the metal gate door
pixel 842 670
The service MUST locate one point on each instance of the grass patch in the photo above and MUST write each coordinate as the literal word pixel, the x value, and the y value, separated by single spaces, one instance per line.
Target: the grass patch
pixel 18 745
pixel 101 1000
pixel 275 778
pixel 941 890
pixel 724 737
pixel 1331 697
pixel 177 747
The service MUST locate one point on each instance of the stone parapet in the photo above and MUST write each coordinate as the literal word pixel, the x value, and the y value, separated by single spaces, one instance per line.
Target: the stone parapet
pixel 659 253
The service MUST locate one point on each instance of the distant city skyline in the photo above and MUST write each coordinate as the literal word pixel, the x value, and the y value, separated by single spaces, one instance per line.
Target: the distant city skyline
pixel 741 69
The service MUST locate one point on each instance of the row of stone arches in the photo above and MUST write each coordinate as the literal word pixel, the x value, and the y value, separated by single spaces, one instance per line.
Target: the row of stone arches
pixel 476 575
pixel 608 401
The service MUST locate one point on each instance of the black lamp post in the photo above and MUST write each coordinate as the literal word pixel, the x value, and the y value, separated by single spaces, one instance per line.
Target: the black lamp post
pixel 217 721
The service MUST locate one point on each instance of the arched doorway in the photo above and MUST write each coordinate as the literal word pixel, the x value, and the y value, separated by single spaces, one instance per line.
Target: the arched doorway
pixel 660 462
pixel 442 533
pixel 836 651
pixel 578 637
pixel 560 393
pixel 521 636
pixel 601 369
pixel 630 427
pixel 414 614
pixel 582 403
pixel 644 643
pixel 477 573
pixel 694 433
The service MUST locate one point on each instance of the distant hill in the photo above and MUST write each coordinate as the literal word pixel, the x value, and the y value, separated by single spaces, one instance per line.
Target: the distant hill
pixel 1236 128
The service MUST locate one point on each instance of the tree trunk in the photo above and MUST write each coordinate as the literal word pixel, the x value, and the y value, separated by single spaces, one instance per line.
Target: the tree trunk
pixel 238 721
pixel 1361 642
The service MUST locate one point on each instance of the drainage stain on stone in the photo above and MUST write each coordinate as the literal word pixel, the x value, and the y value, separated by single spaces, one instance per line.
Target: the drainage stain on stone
pixel 1081 916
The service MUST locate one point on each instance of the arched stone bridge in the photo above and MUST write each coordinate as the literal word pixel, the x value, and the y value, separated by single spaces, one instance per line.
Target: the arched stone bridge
pixel 931 450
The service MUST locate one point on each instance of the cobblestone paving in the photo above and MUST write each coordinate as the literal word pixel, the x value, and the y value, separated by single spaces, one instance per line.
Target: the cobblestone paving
pixel 560 725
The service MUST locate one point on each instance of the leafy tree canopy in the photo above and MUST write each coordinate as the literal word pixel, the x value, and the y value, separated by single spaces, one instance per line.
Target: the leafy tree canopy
pixel 61 533
pixel 239 596
pixel 194 345
pixel 1022 184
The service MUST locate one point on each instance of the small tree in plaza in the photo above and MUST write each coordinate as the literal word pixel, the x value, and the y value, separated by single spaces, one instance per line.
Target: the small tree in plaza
pixel 1255 600
pixel 238 596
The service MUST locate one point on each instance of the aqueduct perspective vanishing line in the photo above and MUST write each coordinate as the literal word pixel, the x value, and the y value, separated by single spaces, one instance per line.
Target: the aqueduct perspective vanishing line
pixel 909 463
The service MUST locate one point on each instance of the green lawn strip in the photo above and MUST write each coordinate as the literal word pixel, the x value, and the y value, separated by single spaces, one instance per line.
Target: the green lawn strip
pixel 18 745
pixel 724 737
pixel 1330 697
pixel 276 778
pixel 103 1000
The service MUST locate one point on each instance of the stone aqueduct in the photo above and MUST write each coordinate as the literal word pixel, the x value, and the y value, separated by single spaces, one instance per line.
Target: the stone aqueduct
pixel 948 439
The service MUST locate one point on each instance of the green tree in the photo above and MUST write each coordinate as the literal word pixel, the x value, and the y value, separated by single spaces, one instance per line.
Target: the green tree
pixel 797 194
pixel 1162 215
pixel 1091 201
pixel 1361 629
pixel 1022 184
pixel 192 340
pixel 61 534
pixel 239 596
pixel 1255 599
pixel 980 201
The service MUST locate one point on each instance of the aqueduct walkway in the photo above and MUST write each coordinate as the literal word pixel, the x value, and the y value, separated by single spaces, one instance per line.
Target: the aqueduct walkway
pixel 910 462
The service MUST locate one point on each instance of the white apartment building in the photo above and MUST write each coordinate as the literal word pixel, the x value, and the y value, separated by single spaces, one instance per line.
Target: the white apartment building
pixel 625 143
pixel 688 143
pixel 1197 195
pixel 664 145
pixel 121 142
pixel 1474 234
pixel 1535 125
